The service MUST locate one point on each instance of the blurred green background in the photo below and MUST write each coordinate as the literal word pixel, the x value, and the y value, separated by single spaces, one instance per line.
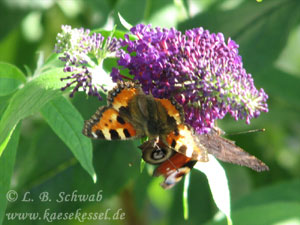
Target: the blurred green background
pixel 268 34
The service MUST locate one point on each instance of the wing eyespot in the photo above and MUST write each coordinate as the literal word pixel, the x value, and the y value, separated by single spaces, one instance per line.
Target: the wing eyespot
pixel 155 153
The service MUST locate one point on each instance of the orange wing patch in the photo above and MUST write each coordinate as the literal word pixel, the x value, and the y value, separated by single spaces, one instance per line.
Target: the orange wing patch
pixel 183 141
pixel 171 109
pixel 122 98
pixel 110 126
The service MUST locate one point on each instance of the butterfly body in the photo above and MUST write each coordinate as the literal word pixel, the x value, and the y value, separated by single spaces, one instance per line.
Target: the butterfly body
pixel 149 117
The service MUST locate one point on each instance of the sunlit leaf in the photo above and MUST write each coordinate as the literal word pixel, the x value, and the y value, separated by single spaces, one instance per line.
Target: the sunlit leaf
pixel 160 197
pixel 67 123
pixel 185 196
pixel 10 78
pixel 134 15
pixel 7 162
pixel 29 100
pixel 124 22
pixel 218 184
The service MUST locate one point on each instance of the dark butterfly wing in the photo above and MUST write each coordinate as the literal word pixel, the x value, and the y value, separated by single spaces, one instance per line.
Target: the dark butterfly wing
pixel 226 150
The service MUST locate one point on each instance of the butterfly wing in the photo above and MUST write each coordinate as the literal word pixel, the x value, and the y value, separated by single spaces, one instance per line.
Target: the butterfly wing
pixel 112 122
pixel 174 169
pixel 173 109
pixel 108 124
pixel 227 151
pixel 120 96
pixel 185 142
pixel 182 138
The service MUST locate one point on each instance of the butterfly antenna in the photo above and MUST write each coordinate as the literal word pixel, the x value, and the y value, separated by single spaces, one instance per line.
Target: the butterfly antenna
pixel 248 131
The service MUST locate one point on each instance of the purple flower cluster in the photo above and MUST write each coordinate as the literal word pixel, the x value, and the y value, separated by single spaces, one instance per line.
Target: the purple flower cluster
pixel 200 70
pixel 83 54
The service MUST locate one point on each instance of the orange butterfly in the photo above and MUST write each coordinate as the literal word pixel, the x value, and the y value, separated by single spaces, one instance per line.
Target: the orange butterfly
pixel 131 114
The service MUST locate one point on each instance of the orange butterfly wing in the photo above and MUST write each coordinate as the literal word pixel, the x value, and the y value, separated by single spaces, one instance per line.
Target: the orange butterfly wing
pixel 108 123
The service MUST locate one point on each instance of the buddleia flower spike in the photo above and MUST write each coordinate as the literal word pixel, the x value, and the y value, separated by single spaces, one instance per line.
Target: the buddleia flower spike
pixel 202 71
pixel 83 53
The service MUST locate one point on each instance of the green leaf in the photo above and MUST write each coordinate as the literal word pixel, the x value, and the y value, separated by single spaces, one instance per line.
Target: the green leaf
pixel 182 13
pixel 280 84
pixel 117 33
pixel 285 191
pixel 6 140
pixel 67 123
pixel 3 103
pixel 162 13
pixel 140 190
pixel 142 165
pixel 218 184
pixel 124 22
pixel 10 78
pixel 200 202
pixel 159 197
pixel 29 100
pixel 136 6
pixel 275 213
pixel 7 162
